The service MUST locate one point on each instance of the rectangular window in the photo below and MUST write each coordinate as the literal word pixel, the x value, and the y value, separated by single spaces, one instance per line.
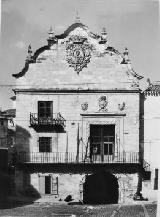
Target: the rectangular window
pixel 108 148
pixel 156 180
pixel 44 144
pixel 45 109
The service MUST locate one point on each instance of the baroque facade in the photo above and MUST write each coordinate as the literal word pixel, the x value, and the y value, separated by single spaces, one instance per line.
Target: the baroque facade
pixel 79 120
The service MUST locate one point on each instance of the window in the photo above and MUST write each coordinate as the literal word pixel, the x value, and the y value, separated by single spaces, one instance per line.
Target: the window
pixel 2 122
pixel 108 148
pixel 44 144
pixel 45 109
pixel 156 180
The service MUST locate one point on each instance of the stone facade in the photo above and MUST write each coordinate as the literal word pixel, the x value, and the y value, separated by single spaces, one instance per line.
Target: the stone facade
pixel 89 84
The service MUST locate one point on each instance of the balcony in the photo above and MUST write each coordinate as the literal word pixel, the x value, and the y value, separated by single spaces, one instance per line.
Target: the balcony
pixel 70 157
pixel 52 123
pixel 124 162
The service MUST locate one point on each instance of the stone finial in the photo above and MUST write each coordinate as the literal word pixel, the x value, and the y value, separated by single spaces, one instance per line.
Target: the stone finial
pixel 149 81
pixel 103 39
pixel 52 38
pixel 29 56
pixel 104 33
pixel 125 54
pixel 29 49
pixel 51 33
pixel 77 18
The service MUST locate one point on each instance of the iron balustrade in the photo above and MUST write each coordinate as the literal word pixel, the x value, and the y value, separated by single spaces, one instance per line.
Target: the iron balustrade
pixel 71 157
pixel 55 119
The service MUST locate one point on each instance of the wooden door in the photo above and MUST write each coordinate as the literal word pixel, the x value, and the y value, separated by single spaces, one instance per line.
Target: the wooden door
pixel 42 184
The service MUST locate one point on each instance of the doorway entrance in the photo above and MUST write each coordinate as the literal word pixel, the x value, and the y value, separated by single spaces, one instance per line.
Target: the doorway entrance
pixel 47 184
pixel 100 188
pixel 102 142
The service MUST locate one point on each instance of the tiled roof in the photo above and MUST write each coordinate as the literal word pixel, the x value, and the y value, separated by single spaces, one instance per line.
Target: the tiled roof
pixel 155 87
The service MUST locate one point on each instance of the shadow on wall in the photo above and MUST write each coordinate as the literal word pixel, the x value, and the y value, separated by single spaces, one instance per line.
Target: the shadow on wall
pixel 10 198
pixel 22 139
pixel 16 190
pixel 101 188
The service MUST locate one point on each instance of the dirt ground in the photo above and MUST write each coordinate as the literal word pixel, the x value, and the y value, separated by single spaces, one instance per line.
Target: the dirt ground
pixel 65 210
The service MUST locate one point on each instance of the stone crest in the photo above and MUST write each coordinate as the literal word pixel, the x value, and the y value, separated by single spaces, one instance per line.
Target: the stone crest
pixel 103 104
pixel 121 106
pixel 78 52
pixel 84 106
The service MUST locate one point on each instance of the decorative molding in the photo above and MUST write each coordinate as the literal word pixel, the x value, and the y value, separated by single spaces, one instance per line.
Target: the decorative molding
pixel 78 52
pixel 84 106
pixel 74 91
pixel 111 114
pixel 103 102
pixel 121 106
pixel 116 122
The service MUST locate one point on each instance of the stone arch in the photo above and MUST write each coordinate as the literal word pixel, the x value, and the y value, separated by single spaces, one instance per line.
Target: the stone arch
pixel 100 188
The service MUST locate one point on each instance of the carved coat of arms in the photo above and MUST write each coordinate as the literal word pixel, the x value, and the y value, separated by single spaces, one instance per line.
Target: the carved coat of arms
pixel 103 103
pixel 121 106
pixel 78 52
pixel 84 106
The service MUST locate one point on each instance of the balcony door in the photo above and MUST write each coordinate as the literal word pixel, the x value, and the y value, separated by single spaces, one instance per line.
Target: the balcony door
pixel 102 142
pixel 45 112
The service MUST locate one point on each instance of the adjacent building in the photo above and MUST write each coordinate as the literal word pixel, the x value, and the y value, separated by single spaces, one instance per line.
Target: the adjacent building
pixel 7 134
pixel 152 136
pixel 7 153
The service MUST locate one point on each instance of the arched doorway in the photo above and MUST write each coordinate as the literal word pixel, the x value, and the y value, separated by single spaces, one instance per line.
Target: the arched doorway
pixel 100 188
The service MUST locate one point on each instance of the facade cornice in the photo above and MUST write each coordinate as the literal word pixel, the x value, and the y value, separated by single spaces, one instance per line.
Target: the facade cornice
pixel 76 91
pixel 103 114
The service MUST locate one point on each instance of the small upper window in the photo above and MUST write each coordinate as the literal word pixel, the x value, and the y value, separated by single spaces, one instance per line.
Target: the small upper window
pixel 44 144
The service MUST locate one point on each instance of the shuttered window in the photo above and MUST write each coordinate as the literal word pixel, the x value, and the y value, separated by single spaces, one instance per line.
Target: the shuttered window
pixel 55 185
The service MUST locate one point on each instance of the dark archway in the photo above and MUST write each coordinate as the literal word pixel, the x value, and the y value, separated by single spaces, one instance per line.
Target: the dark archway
pixel 100 188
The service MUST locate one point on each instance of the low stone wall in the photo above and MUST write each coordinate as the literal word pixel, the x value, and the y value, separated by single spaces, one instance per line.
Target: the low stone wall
pixel 127 187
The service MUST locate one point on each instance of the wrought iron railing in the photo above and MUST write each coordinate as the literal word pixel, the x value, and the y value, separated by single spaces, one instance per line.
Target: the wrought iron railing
pixel 71 157
pixel 54 119
pixel 146 166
